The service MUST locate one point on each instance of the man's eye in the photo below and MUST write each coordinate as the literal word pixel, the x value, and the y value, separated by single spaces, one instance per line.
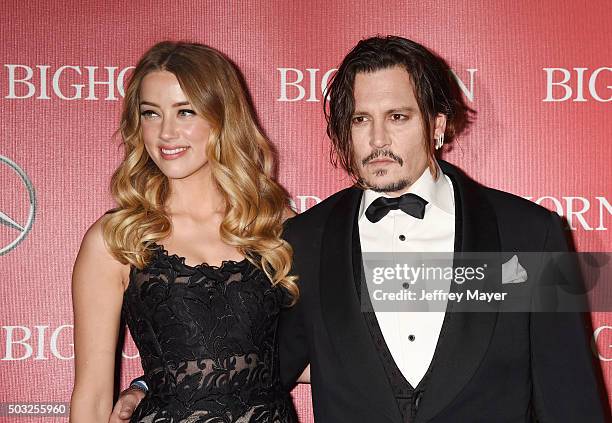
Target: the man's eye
pixel 186 112
pixel 148 114
pixel 398 116
pixel 358 119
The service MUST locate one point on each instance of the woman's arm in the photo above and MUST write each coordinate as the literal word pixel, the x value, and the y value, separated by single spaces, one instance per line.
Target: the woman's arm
pixel 305 376
pixel 97 293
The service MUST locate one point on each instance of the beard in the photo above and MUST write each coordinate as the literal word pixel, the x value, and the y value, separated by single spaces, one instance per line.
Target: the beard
pixel 394 186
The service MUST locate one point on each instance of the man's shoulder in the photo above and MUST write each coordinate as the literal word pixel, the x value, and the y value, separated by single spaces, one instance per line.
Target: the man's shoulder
pixel 502 202
pixel 317 215
pixel 505 202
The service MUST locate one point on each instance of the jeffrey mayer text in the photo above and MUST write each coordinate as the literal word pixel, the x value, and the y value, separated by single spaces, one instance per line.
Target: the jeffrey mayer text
pixel 438 295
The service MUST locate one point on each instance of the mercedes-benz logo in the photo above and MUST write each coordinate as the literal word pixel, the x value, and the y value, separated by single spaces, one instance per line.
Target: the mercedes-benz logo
pixel 21 229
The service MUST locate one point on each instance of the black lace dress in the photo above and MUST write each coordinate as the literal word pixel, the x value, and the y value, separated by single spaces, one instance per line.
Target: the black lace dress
pixel 207 341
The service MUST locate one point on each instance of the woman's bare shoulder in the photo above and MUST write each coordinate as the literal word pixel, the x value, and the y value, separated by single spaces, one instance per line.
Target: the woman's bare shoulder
pixel 95 255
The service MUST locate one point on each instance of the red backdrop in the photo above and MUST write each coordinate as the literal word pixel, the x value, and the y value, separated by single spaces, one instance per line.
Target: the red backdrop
pixel 539 75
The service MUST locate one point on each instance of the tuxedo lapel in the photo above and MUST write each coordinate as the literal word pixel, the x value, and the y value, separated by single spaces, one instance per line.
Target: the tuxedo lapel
pixel 465 337
pixel 342 314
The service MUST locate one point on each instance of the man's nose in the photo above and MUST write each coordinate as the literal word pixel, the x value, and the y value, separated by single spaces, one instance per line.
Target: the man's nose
pixel 379 136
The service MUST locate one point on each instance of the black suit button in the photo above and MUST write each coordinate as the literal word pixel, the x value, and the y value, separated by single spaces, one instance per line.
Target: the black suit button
pixel 402 238
pixel 411 338
pixel 417 399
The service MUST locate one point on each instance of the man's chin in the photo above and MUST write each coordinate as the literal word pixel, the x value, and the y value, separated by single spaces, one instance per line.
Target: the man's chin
pixel 388 185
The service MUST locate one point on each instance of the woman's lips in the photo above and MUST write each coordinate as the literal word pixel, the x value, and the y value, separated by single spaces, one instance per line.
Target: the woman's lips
pixel 172 152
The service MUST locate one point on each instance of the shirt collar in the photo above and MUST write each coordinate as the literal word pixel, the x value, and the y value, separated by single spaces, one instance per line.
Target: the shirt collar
pixel 437 192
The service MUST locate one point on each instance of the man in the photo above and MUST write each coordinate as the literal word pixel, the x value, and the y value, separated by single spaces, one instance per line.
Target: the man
pixel 391 104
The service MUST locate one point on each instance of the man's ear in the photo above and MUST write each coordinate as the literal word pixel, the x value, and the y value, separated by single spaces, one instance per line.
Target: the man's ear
pixel 439 127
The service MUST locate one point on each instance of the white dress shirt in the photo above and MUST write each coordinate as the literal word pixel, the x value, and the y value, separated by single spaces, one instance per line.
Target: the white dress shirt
pixel 412 336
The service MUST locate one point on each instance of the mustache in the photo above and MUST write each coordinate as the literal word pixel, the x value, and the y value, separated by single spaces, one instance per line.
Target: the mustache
pixel 382 153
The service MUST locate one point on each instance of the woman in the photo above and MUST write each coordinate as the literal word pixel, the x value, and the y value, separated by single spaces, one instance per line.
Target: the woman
pixel 192 254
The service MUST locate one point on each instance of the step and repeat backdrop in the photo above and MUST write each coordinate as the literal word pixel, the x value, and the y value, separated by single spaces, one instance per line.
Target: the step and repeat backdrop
pixel 538 74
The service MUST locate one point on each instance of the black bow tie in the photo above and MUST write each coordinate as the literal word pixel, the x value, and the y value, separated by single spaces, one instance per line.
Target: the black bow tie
pixel 409 203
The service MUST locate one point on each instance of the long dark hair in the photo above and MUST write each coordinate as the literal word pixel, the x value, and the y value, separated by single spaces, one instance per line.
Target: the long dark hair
pixel 435 89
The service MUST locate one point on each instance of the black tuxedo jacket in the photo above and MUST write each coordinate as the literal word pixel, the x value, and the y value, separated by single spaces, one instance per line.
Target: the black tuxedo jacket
pixel 488 367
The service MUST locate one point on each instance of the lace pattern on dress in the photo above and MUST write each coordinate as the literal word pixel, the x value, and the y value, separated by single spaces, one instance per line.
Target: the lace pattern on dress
pixel 207 341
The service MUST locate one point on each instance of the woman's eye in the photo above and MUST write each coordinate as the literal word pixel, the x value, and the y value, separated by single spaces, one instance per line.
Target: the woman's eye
pixel 148 114
pixel 186 112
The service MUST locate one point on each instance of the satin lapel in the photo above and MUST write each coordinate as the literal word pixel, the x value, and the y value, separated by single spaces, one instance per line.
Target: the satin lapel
pixel 348 333
pixel 465 337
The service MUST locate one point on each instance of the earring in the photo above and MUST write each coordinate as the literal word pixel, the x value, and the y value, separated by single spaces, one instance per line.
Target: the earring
pixel 439 141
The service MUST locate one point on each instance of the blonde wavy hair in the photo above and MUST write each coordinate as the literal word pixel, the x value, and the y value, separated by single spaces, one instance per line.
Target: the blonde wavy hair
pixel 239 155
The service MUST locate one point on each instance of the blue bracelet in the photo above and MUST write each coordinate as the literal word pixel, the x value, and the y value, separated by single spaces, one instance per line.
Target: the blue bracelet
pixel 140 384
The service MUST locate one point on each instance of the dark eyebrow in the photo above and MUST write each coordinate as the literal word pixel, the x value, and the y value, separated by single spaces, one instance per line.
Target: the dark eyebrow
pixel 405 109
pixel 179 104
pixel 402 109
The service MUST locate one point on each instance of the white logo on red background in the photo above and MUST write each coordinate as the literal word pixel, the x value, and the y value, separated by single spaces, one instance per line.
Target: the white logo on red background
pixel 577 211
pixel 309 84
pixel 66 82
pixel 301 203
pixel 604 352
pixel 20 229
pixel 44 342
pixel 39 342
pixel 578 84
pixel 592 214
